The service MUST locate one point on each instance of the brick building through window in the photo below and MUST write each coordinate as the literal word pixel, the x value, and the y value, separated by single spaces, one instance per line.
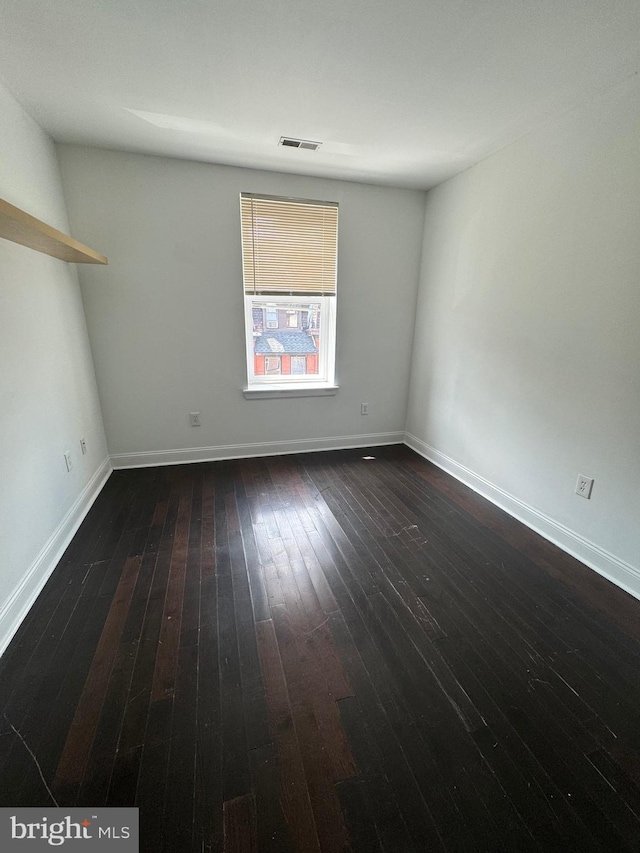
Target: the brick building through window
pixel 286 340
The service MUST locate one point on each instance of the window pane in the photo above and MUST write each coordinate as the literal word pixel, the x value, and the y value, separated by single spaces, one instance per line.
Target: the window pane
pixel 298 365
pixel 272 318
pixel 272 366
pixel 290 347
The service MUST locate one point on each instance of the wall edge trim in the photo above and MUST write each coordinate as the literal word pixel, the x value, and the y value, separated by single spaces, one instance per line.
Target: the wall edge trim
pixel 20 601
pixel 619 572
pixel 188 455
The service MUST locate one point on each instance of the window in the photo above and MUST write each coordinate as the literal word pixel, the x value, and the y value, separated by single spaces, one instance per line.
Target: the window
pixel 272 318
pixel 289 260
pixel 272 365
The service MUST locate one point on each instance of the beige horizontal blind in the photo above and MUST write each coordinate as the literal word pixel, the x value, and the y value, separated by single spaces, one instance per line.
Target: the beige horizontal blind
pixel 289 246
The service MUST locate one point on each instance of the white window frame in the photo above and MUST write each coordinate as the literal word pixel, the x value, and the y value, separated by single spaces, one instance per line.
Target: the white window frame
pixel 282 383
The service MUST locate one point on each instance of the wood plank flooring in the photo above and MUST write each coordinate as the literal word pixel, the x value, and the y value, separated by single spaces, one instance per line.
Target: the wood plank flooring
pixel 326 653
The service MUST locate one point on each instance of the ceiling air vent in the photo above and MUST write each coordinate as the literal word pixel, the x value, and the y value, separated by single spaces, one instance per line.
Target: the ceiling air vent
pixel 290 142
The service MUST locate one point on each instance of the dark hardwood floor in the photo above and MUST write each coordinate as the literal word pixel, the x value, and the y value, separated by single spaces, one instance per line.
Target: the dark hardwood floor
pixel 326 653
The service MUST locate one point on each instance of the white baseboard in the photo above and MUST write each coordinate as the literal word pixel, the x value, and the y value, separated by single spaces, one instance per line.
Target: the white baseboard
pixel 14 610
pixel 152 458
pixel 623 574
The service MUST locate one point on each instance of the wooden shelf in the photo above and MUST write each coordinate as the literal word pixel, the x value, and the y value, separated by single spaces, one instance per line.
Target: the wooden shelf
pixel 22 228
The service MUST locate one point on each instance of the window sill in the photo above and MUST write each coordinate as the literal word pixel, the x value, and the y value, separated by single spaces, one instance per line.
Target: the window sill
pixel 274 391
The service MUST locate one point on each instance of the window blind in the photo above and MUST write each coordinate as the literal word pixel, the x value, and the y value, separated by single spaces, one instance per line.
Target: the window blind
pixel 289 246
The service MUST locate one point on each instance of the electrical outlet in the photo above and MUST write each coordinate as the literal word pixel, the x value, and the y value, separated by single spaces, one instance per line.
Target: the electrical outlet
pixel 83 446
pixel 194 418
pixel 68 461
pixel 584 486
pixel 364 408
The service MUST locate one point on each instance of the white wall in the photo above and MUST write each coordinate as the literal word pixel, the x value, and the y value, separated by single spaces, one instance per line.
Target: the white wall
pixel 166 321
pixel 526 364
pixel 48 397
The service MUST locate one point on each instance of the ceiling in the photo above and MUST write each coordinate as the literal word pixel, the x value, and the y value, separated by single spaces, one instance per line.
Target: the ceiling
pixel 405 93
